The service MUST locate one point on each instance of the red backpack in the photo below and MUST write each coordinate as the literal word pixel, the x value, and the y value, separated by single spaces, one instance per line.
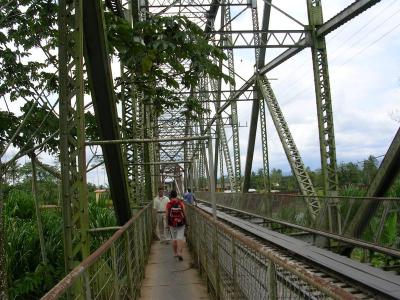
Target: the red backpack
pixel 176 216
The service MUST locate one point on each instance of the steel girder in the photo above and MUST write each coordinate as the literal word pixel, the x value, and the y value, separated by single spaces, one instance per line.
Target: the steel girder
pixel 72 133
pixel 387 173
pixel 134 124
pixel 290 147
pixel 324 101
pixel 258 108
pixel 341 18
pixel 223 141
pixel 104 104
pixel 264 141
pixel 227 25
pixel 273 39
pixel 310 37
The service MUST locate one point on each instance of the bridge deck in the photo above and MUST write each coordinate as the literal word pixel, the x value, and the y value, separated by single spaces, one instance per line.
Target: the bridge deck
pixel 167 278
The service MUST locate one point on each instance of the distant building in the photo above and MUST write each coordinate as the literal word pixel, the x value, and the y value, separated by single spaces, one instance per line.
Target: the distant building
pixel 100 193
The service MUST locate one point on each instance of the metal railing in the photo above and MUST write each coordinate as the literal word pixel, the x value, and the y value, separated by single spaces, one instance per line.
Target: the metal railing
pixel 237 267
pixel 292 209
pixel 116 269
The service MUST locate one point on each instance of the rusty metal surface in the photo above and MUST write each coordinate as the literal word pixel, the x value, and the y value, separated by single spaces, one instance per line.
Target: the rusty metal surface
pixel 237 266
pixel 123 256
pixel 291 209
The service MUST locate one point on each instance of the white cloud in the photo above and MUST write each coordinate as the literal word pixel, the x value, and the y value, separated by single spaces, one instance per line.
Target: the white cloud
pixel 364 73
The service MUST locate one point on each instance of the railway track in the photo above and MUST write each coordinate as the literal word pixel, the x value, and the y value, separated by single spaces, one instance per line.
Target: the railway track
pixel 361 280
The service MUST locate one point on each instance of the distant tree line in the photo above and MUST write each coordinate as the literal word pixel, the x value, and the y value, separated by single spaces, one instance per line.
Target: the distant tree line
pixel 350 174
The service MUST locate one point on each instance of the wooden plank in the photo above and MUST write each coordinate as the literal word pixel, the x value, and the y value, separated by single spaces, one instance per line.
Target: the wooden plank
pixel 376 279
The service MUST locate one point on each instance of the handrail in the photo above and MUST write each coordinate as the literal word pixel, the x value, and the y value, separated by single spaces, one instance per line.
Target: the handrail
pixel 239 267
pixel 68 281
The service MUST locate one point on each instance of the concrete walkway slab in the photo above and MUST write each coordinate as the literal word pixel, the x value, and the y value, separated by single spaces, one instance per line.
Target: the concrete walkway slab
pixel 170 279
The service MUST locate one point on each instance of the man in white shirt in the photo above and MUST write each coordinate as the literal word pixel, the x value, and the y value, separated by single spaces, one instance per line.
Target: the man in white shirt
pixel 160 202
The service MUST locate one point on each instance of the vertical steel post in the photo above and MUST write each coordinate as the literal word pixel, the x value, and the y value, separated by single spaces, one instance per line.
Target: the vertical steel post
pixel 128 247
pixel 64 108
pixel 186 156
pixel 226 12
pixel 114 265
pixel 221 170
pixel 81 137
pixel 147 155
pixel 37 210
pixel 324 108
pixel 323 98
pixel 234 270
pixel 212 179
pixel 3 265
pixel 271 281
pixel 86 282
pixel 72 134
pixel 250 147
pixel 264 141
pixel 258 109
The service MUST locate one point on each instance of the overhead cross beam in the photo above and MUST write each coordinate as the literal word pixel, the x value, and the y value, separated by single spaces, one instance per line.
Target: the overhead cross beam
pixel 340 19
pixel 104 103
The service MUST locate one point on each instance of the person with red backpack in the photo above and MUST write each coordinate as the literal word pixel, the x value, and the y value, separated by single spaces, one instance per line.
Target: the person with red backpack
pixel 175 214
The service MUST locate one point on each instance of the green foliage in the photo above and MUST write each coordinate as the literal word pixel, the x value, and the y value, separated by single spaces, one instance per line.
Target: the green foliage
pixel 352 191
pixel 167 54
pixel 48 186
pixel 101 216
pixel 8 122
pixel 19 205
pixel 27 26
pixel 28 277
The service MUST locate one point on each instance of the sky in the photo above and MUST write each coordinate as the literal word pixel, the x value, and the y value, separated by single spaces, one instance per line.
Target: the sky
pixel 364 67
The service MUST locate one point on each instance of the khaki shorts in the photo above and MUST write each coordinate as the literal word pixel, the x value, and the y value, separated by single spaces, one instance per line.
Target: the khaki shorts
pixel 177 233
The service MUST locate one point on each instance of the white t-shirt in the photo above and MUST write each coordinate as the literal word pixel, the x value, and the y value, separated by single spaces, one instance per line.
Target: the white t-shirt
pixel 160 203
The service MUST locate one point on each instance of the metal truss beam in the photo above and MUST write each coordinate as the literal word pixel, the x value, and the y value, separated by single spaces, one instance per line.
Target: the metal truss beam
pixel 223 141
pixel 324 111
pixel 264 37
pixel 291 151
pixel 329 26
pixel 102 90
pixel 383 180
pixel 72 133
pixel 345 16
pixel 273 39
pixel 256 102
pixel 228 41
pixel 324 102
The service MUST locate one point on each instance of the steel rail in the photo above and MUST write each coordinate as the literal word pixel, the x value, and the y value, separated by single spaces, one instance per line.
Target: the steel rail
pixel 319 283
pixel 351 241
pixel 379 283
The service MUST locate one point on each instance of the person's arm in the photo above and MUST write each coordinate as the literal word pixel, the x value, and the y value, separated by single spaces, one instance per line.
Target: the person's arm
pixel 155 204
pixel 167 214
pixel 194 200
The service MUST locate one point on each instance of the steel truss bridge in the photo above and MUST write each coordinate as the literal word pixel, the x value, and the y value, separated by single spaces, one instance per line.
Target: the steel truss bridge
pixel 143 151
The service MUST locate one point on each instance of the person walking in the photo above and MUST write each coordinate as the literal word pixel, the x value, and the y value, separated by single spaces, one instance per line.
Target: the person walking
pixel 159 205
pixel 189 197
pixel 175 214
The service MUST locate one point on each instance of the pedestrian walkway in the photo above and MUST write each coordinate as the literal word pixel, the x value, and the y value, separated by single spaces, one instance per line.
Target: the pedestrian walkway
pixel 167 278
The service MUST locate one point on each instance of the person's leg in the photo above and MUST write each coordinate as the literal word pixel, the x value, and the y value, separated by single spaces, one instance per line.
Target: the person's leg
pixel 180 240
pixel 158 231
pixel 175 247
pixel 179 247
pixel 174 241
pixel 161 228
